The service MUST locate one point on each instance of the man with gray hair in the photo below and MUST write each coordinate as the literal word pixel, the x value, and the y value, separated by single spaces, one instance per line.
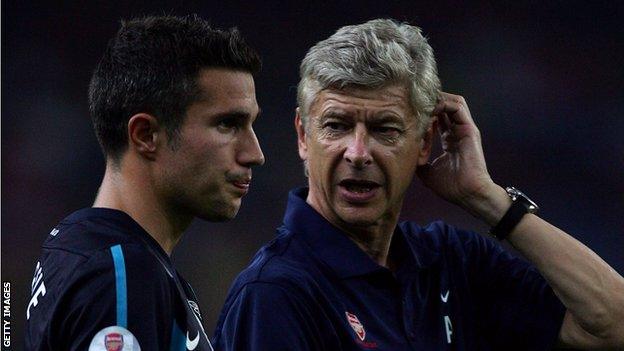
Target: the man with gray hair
pixel 343 274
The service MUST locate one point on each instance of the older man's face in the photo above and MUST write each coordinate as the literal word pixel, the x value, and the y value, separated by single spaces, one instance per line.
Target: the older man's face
pixel 362 147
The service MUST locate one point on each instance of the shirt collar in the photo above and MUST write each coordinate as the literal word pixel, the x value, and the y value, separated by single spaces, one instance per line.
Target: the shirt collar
pixel 124 223
pixel 332 245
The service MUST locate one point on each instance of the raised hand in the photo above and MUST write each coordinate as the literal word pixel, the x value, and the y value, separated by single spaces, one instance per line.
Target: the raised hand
pixel 459 174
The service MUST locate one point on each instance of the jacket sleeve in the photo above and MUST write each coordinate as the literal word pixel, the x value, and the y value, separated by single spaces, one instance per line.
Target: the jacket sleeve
pixel 518 308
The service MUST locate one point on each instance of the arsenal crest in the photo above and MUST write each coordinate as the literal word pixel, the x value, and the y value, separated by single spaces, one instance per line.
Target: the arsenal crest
pixel 113 342
pixel 114 338
pixel 356 325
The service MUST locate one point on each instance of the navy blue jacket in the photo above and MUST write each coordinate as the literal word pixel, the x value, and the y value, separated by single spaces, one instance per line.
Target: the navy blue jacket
pixel 99 269
pixel 312 288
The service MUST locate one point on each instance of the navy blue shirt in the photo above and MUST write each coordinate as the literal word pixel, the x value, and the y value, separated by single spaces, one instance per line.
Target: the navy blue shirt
pixel 312 288
pixel 102 282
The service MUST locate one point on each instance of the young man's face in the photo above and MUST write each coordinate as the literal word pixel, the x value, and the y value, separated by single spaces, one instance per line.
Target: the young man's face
pixel 209 169
pixel 362 148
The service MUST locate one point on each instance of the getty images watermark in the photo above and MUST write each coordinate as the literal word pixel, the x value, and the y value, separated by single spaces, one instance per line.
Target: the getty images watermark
pixel 6 315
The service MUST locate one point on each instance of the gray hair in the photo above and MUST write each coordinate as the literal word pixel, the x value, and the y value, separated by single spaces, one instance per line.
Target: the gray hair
pixel 372 55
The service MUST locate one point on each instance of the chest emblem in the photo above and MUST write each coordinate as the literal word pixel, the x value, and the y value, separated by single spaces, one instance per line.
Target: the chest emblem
pixel 114 338
pixel 114 342
pixel 356 325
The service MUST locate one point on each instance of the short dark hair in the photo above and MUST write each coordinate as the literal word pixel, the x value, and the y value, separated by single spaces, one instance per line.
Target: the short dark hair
pixel 152 66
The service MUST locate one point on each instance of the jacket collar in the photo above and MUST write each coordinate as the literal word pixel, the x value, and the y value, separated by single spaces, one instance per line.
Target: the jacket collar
pixel 123 223
pixel 334 247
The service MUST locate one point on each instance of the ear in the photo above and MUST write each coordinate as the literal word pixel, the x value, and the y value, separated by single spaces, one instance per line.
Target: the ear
pixel 427 142
pixel 144 135
pixel 301 135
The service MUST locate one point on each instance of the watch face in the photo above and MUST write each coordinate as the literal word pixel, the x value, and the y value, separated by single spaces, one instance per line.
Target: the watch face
pixel 513 191
pixel 517 195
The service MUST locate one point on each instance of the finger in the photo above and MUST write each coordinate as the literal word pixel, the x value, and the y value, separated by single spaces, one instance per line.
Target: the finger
pixel 443 128
pixel 444 122
pixel 444 99
pixel 455 107
pixel 452 97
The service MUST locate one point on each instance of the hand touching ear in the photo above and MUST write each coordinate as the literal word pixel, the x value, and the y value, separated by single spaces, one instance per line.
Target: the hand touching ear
pixel 459 173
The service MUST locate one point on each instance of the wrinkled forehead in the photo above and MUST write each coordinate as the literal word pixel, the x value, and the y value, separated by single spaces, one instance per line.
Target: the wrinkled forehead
pixel 352 99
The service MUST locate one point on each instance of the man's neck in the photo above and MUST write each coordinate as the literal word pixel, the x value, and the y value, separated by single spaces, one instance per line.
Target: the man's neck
pixel 135 195
pixel 375 242
pixel 372 238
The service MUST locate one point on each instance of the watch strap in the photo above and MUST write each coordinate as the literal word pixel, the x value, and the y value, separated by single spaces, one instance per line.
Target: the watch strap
pixel 509 221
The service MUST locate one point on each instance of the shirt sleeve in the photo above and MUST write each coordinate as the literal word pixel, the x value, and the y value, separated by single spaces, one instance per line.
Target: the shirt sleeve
pixel 268 316
pixel 518 309
pixel 117 287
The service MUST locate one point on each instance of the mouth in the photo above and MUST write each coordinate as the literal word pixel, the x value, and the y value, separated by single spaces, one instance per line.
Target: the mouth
pixel 358 190
pixel 242 184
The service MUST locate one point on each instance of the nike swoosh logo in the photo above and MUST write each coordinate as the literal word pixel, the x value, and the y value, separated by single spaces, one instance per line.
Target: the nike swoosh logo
pixel 192 344
pixel 445 296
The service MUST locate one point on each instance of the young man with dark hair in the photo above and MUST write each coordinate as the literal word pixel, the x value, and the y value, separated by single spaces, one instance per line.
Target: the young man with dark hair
pixel 173 102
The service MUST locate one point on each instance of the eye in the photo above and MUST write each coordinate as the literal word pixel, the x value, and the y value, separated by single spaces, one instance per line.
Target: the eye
pixel 229 123
pixel 387 131
pixel 334 126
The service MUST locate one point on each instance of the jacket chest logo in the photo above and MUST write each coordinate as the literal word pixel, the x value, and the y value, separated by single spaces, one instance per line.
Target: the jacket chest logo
pixel 114 342
pixel 448 326
pixel 356 325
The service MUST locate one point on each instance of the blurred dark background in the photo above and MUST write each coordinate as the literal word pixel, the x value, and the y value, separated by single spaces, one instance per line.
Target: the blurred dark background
pixel 544 81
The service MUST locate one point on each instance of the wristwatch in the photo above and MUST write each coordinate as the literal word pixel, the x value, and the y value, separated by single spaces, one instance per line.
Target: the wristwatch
pixel 520 206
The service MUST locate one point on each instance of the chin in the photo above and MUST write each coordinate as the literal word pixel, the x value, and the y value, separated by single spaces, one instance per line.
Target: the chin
pixel 220 213
pixel 358 219
pixel 222 217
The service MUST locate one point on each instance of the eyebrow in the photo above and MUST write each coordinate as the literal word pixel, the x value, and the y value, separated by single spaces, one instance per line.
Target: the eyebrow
pixel 335 114
pixel 385 118
pixel 238 114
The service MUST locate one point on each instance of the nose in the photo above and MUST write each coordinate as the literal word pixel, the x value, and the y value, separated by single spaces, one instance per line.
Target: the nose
pixel 358 152
pixel 250 153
